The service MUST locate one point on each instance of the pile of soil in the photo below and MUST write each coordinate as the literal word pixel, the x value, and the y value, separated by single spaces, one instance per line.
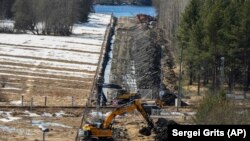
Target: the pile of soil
pixel 145 131
pixel 169 99
pixel 162 128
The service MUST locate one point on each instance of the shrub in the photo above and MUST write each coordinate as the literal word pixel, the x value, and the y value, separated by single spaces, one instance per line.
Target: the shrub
pixel 216 109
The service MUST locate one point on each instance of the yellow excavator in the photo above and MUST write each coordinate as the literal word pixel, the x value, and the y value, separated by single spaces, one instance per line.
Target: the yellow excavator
pixel 104 130
pixel 127 95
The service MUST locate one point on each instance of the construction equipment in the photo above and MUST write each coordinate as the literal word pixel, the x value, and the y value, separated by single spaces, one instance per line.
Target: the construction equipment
pixel 101 98
pixel 123 96
pixel 103 130
pixel 126 97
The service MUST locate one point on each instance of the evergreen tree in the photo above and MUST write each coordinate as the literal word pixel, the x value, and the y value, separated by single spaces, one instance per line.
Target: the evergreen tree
pixel 245 42
pixel 191 27
pixel 212 30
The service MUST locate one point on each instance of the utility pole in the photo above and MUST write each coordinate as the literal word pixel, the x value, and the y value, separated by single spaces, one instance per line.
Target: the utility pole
pixel 180 78
pixel 161 83
pixel 222 72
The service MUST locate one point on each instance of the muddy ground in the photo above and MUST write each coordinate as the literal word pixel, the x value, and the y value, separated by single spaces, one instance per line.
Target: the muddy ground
pixel 63 125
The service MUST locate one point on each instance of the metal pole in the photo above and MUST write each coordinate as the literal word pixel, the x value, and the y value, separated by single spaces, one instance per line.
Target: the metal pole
pixel 222 71
pixel 73 100
pixel 43 136
pixel 45 101
pixel 22 100
pixel 180 77
pixel 161 83
pixel 31 103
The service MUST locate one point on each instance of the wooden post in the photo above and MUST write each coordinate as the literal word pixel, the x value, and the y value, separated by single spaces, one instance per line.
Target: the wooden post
pixel 22 100
pixel 45 101
pixel 31 103
pixel 73 100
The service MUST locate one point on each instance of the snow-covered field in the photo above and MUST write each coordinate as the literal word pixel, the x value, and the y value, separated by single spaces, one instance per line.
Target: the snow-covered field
pixel 24 58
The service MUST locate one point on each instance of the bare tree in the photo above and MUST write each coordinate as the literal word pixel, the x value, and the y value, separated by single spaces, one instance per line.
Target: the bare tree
pixel 50 17
pixel 169 13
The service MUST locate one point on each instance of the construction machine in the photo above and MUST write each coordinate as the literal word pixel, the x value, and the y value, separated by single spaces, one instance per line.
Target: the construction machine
pixel 103 130
pixel 125 97
pixel 101 98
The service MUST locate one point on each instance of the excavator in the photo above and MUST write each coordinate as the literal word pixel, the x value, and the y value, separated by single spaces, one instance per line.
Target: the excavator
pixel 104 130
pixel 126 97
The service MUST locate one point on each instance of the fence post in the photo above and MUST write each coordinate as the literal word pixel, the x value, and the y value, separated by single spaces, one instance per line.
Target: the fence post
pixel 73 100
pixel 45 101
pixel 22 100
pixel 31 103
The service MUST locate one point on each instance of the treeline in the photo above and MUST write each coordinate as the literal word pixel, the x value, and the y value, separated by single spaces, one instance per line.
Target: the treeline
pixel 5 9
pixel 215 38
pixel 48 17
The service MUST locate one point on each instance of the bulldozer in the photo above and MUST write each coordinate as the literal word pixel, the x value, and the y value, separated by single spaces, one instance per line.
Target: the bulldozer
pixel 104 130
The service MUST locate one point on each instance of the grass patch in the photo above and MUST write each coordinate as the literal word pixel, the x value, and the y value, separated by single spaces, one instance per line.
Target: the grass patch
pixel 216 109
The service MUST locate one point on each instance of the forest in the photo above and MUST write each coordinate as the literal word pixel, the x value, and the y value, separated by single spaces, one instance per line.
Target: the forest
pixel 45 16
pixel 215 39
pixel 212 37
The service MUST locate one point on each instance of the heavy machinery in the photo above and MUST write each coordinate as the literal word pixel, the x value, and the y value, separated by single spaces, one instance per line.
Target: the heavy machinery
pixel 101 98
pixel 122 97
pixel 125 97
pixel 104 130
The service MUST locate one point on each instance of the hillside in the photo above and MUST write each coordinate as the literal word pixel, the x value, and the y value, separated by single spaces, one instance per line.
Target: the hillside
pixel 60 68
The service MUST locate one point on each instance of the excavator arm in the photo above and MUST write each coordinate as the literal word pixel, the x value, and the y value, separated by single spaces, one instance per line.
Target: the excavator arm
pixel 136 105
pixel 140 108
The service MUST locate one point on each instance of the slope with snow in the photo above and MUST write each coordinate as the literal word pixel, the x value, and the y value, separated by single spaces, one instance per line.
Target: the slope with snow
pixel 59 67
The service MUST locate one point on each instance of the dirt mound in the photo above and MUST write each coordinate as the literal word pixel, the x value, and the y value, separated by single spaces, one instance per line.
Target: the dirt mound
pixel 169 99
pixel 145 131
pixel 162 129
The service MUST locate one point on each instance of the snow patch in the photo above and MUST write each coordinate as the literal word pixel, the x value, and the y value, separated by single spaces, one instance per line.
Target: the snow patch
pixel 62 55
pixel 60 114
pixel 46 71
pixel 8 129
pixel 40 123
pixel 40 77
pixel 96 114
pixel 7 117
pixel 46 114
pixel 7 24
pixel 47 63
pixel 172 113
pixel 17 103
pixel 11 88
pixel 31 114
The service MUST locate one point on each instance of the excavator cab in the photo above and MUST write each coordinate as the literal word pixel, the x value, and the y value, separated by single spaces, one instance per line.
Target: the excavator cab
pixel 90 133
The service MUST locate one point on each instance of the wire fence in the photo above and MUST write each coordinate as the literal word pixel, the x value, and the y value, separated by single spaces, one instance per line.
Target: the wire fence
pixel 46 101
